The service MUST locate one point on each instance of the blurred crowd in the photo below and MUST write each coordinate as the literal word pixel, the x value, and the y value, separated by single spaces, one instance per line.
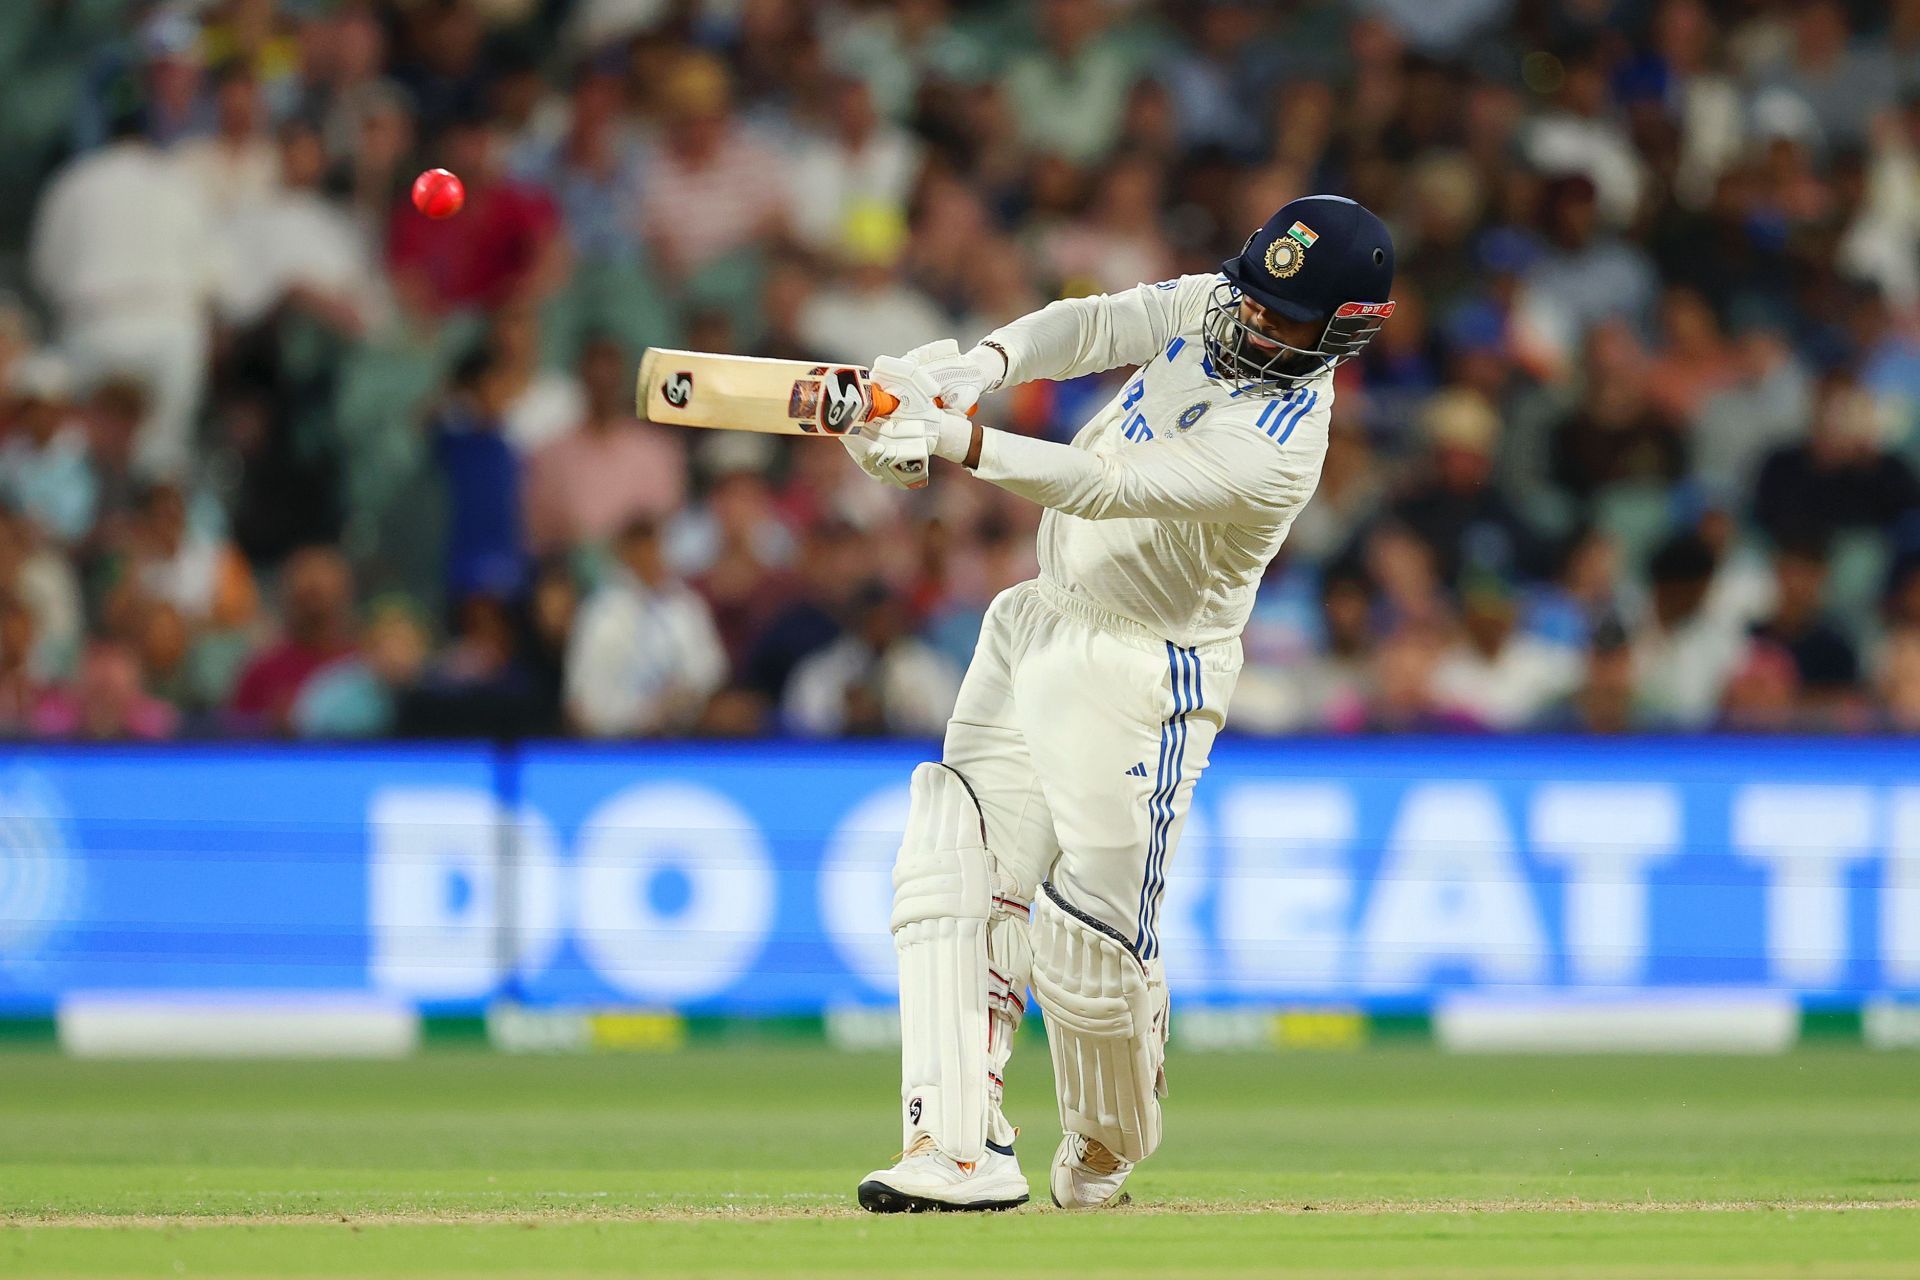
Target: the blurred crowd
pixel 280 456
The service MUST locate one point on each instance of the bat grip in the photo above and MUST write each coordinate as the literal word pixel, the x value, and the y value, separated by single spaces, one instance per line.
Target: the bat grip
pixel 885 402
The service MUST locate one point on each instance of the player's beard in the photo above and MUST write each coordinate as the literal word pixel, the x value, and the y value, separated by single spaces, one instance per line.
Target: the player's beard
pixel 1252 362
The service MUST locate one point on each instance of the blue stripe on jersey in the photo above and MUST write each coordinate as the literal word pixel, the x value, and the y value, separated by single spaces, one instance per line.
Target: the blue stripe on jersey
pixel 1266 413
pixel 1295 411
pixel 1173 348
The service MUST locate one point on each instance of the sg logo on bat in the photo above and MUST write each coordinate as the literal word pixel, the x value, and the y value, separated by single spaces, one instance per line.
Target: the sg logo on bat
pixel 846 403
pixel 678 389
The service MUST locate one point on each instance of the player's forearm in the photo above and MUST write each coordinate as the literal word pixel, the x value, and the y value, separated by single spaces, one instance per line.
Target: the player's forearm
pixel 1093 486
pixel 1174 481
pixel 1070 338
pixel 1052 475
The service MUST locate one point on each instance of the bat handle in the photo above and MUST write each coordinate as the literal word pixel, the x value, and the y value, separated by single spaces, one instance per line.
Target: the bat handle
pixel 885 402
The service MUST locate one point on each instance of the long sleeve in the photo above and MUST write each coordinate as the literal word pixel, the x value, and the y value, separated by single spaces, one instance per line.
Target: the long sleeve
pixel 1230 473
pixel 1076 336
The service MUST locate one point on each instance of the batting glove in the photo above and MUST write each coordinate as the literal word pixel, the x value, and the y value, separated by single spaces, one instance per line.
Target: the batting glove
pixel 916 431
pixel 959 380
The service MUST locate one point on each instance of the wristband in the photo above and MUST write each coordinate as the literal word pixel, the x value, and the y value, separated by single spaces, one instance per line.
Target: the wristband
pixel 1006 364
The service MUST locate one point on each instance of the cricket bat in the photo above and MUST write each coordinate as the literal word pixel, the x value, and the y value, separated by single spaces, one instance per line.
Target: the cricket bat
pixel 747 393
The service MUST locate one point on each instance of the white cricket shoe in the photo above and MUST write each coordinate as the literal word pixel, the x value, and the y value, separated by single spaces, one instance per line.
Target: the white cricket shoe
pixel 1086 1175
pixel 926 1179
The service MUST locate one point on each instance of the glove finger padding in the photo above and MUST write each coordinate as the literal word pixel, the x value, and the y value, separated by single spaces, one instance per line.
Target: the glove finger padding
pixel 907 382
pixel 868 457
pixel 928 352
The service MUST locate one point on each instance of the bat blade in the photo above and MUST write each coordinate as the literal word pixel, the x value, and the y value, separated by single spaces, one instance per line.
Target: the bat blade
pixel 747 393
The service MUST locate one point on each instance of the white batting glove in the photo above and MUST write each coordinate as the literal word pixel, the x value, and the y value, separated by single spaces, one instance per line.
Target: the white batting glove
pixel 959 379
pixel 918 430
pixel 863 443
pixel 864 453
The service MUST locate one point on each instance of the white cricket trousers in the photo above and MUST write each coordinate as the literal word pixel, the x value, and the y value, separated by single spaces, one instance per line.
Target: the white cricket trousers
pixel 1082 735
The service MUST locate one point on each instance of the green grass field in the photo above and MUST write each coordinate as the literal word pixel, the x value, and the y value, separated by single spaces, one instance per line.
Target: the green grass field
pixel 742 1161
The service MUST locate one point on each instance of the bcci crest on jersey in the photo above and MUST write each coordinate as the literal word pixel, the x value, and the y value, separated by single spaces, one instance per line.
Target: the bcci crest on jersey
pixel 1191 414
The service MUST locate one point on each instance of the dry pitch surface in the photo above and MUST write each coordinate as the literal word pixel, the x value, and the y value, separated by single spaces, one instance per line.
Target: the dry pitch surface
pixel 741 1161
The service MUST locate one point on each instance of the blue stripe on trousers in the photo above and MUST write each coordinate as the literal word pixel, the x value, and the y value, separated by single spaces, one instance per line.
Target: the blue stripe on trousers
pixel 1184 677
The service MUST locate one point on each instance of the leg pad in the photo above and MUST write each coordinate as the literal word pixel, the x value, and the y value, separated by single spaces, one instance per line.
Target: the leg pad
pixel 1106 1027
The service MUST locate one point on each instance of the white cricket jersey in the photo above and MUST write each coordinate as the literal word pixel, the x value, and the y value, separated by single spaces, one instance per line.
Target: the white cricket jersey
pixel 1170 502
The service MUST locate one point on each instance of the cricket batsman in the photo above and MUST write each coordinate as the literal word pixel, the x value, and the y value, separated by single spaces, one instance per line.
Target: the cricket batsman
pixel 1036 849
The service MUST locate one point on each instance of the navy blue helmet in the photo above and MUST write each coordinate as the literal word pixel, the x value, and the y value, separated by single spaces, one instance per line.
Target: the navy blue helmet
pixel 1321 259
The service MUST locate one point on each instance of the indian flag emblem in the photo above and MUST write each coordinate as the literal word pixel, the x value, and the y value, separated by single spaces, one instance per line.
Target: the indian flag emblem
pixel 1303 233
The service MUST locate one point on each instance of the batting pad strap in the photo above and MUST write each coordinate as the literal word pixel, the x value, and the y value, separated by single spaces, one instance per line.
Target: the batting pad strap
pixel 1106 1027
pixel 942 899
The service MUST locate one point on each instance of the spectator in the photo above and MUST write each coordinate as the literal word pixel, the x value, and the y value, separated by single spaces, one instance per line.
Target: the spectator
pixel 1585 276
pixel 123 248
pixel 593 170
pixel 831 563
pixel 1764 408
pixel 1317 691
pixel 1763 694
pixel 482 684
pixel 1117 243
pixel 1844 84
pixel 1403 698
pixel 609 469
pixel 1616 434
pixel 1683 653
pixel 44 468
pixel 292 244
pixel 20 688
pixel 644 657
pixel 1841 478
pixel 1899 684
pixel 236 167
pixel 317 604
pixel 1825 665
pixel 1458 513
pixel 359 696
pixel 1583 134
pixel 1588 589
pixel 1069 92
pixel 502 248
pixel 105 703
pixel 1693 362
pixel 866 307
pixel 196 572
pixel 1495 674
pixel 486 551
pixel 1604 702
pixel 712 189
pixel 857 162
pixel 537 403
pixel 44 582
pixel 877 679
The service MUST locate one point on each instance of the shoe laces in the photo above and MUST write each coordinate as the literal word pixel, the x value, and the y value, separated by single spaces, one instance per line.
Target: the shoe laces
pixel 1098 1158
pixel 923 1145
